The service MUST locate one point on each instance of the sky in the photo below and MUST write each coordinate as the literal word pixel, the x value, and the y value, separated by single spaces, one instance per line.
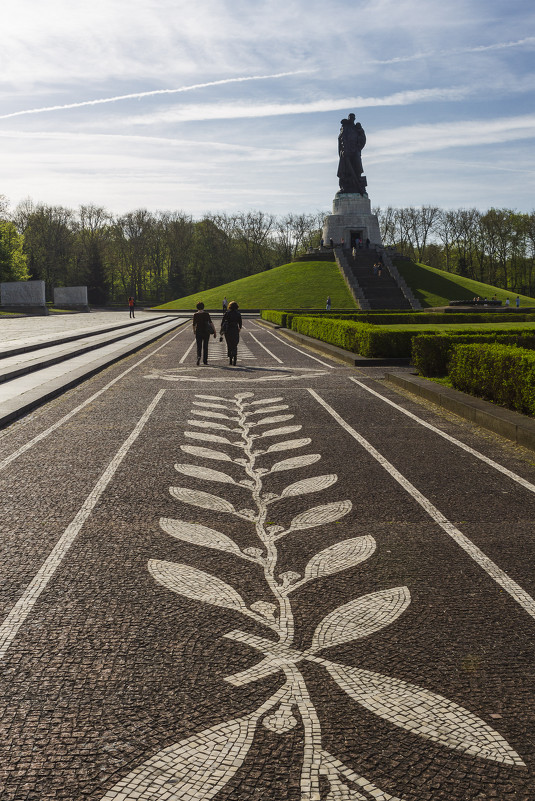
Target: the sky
pixel 235 105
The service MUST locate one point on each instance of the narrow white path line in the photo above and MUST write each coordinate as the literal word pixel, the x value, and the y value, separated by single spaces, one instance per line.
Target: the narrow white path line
pixel 331 366
pixel 267 351
pixel 20 611
pixel 27 445
pixel 185 356
pixel 496 573
pixel 509 473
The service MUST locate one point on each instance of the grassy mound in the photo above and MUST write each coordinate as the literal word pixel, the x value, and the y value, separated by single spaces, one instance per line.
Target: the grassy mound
pixel 435 287
pixel 298 285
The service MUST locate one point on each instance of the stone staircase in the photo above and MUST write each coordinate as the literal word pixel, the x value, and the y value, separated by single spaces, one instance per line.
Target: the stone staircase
pixel 380 292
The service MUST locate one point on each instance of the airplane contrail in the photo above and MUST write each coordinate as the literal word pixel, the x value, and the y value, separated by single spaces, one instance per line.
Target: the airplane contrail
pixel 529 40
pixel 136 95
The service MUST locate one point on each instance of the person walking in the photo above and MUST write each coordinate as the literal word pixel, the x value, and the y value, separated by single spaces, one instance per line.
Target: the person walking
pixel 203 327
pixel 517 302
pixel 131 305
pixel 230 328
pixel 225 304
pixel 328 303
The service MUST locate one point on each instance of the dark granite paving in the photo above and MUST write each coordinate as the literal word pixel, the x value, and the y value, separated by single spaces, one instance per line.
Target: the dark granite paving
pixel 262 582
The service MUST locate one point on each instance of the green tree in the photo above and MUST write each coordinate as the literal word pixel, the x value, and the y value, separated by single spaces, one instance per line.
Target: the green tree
pixel 13 262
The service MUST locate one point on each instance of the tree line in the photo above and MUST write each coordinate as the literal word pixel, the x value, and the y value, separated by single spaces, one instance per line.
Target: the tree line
pixel 154 256
pixel 496 246
pixel 159 256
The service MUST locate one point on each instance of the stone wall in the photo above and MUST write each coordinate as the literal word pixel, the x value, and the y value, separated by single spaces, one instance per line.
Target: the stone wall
pixel 71 297
pixel 27 296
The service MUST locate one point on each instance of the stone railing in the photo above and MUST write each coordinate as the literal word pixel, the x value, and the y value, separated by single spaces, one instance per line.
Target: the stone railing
pixel 351 281
pixel 385 254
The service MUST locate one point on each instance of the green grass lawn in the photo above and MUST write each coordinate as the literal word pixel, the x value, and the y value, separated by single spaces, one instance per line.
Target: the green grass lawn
pixel 435 287
pixel 298 285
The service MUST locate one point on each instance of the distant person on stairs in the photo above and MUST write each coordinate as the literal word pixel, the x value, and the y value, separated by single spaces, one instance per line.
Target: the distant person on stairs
pixel 131 304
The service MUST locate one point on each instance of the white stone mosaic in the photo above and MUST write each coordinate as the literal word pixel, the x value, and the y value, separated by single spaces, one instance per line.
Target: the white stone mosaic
pixel 239 432
pixel 234 375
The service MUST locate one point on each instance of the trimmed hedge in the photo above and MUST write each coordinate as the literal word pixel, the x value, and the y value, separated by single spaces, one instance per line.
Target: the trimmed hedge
pixel 381 317
pixel 277 317
pixel 363 338
pixel 436 318
pixel 503 374
pixel 432 352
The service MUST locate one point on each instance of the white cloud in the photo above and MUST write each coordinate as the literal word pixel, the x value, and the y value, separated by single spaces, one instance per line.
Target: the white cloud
pixel 238 110
pixel 390 144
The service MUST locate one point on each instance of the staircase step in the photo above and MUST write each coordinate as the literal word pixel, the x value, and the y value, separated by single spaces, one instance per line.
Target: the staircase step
pixel 381 292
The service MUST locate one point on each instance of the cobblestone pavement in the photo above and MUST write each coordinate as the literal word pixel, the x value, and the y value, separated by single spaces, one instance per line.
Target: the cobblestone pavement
pixel 283 580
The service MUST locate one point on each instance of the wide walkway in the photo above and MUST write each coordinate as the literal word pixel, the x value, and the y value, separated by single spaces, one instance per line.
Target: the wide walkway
pixel 283 580
pixel 27 330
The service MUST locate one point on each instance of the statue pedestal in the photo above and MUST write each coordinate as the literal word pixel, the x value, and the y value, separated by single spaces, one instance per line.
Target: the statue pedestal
pixel 351 218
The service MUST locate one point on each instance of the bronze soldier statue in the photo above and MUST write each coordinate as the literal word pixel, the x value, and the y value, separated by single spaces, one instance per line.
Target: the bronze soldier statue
pixel 351 140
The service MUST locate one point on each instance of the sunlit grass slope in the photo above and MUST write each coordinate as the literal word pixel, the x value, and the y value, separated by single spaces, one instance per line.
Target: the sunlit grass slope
pixel 435 287
pixel 296 285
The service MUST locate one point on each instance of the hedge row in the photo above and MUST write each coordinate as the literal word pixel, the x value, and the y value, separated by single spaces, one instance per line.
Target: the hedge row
pixel 277 317
pixel 436 318
pixel 363 338
pixel 404 318
pixel 431 352
pixel 500 373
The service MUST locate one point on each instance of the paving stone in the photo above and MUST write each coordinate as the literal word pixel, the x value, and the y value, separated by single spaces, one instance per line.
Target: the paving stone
pixel 212 589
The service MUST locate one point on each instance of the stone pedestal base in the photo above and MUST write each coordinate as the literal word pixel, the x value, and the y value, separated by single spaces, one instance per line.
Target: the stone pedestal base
pixel 351 218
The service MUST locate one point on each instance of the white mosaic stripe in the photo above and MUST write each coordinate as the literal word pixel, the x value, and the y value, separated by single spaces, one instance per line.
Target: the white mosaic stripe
pixel 44 434
pixel 20 611
pixel 217 351
pixel 303 352
pixel 491 568
pixel 266 349
pixel 496 465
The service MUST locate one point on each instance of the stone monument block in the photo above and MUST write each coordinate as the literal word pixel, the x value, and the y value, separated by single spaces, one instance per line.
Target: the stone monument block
pixel 71 297
pixel 351 219
pixel 23 296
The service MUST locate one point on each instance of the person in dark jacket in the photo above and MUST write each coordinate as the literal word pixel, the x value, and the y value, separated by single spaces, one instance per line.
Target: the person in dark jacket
pixel 230 329
pixel 202 328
